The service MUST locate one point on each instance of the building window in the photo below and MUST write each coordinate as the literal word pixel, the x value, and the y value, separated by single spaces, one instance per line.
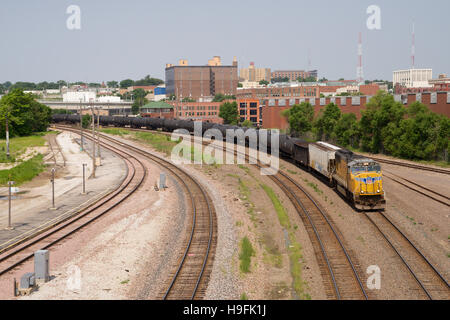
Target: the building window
pixel 253 105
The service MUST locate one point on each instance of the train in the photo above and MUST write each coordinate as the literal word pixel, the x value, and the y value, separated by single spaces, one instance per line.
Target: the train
pixel 357 178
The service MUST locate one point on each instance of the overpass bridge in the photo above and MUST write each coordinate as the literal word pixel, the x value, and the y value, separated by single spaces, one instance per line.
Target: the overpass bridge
pixel 113 108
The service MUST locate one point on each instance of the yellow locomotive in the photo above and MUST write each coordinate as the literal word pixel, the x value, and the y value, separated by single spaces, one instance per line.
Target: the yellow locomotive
pixel 359 179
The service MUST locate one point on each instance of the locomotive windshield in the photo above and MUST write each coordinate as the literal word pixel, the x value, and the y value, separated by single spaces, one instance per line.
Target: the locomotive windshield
pixel 366 167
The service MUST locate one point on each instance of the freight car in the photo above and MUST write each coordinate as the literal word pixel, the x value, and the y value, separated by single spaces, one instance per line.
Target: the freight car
pixel 357 178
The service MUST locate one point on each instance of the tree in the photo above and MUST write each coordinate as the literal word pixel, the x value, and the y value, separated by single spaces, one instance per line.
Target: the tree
pixel 323 79
pixel 325 124
pixel 126 83
pixel 148 81
pixel 247 123
pixel 25 114
pixel 380 118
pixel 307 79
pixel 86 120
pixel 274 80
pixel 264 82
pixel 240 85
pixel 229 112
pixel 347 131
pixel 112 84
pixel 300 117
pixel 422 135
pixel 219 97
pixel 139 100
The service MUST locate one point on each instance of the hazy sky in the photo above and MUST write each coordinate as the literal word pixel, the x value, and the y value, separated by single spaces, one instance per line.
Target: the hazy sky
pixel 133 38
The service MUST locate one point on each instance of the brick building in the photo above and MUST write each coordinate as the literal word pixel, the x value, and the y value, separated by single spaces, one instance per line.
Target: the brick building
pixel 157 109
pixel 199 81
pixel 200 111
pixel 281 91
pixel 438 102
pixel 293 75
pixel 249 109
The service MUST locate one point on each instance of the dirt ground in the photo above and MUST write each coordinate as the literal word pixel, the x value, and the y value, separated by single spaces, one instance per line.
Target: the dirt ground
pixel 123 256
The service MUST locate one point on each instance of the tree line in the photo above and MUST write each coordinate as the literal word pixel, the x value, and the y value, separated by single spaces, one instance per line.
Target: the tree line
pixel 386 126
pixel 146 81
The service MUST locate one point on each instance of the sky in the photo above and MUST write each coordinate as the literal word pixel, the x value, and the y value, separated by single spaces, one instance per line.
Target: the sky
pixel 130 39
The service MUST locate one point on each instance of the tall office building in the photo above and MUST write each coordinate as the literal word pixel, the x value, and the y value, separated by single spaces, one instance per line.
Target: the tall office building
pixel 253 74
pixel 185 81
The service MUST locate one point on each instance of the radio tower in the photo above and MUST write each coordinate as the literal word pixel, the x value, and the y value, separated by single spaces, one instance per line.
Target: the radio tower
pixel 309 59
pixel 359 69
pixel 413 48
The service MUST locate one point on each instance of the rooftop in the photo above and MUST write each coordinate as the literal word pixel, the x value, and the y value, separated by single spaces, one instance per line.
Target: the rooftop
pixel 157 105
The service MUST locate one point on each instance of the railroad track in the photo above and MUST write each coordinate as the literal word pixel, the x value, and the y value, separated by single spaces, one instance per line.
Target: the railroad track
pixel 340 274
pixel 189 276
pixel 430 283
pixel 429 193
pixel 22 250
pixel 410 165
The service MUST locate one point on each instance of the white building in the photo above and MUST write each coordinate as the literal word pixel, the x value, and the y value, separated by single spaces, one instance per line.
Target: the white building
pixel 79 96
pixel 413 78
pixel 108 99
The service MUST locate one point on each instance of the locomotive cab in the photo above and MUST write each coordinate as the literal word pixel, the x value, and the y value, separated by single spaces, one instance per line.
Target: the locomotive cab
pixel 366 184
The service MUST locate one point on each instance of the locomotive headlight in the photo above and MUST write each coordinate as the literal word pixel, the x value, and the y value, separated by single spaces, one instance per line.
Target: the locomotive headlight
pixel 378 191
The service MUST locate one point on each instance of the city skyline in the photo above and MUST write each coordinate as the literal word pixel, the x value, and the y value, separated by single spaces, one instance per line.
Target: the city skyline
pixel 130 40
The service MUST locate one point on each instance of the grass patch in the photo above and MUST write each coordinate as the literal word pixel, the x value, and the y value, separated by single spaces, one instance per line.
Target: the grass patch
pixel 291 171
pixel 244 296
pixel 116 131
pixel 124 281
pixel 295 256
pixel 246 169
pixel 295 249
pixel 23 172
pixel 281 212
pixel 315 187
pixel 245 255
pixel 244 190
pixel 160 142
pixel 17 146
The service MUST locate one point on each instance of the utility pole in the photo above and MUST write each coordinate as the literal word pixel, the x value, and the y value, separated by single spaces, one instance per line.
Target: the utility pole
pixel 81 128
pixel 98 133
pixel 7 137
pixel 10 183
pixel 53 190
pixel 93 142
pixel 84 178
